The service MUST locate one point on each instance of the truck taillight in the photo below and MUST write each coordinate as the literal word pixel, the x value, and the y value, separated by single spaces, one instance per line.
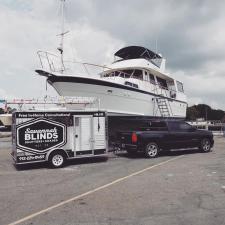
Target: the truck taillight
pixel 134 138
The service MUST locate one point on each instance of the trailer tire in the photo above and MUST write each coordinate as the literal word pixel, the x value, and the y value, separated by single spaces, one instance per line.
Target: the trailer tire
pixel 151 150
pixel 57 159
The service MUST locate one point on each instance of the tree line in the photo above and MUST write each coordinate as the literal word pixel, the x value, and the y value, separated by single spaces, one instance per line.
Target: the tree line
pixel 8 110
pixel 206 112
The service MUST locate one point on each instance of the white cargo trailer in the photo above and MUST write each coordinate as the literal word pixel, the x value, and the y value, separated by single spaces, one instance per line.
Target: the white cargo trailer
pixel 56 136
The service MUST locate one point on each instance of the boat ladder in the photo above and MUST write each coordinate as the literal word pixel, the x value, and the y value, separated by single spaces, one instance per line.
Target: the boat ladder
pixel 163 106
pixel 162 102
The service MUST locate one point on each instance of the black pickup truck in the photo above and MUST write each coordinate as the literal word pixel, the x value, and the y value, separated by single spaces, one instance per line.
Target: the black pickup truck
pixel 157 136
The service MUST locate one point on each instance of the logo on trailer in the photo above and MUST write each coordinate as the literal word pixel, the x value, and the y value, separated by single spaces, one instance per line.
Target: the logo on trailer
pixel 41 135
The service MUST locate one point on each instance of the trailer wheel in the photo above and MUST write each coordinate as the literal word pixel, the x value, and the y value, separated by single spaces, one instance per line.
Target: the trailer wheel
pixel 151 150
pixel 57 159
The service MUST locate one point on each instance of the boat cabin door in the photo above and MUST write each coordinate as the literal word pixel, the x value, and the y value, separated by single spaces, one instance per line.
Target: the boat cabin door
pixel 83 135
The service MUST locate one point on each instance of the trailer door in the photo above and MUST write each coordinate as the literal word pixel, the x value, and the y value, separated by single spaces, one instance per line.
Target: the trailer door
pixel 99 133
pixel 83 135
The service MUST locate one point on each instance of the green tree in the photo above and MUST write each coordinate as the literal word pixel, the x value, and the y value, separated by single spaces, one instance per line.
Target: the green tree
pixel 1 111
pixel 192 113
pixel 9 110
pixel 204 111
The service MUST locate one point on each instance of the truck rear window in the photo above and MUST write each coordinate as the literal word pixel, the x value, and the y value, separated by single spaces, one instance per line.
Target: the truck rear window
pixel 154 126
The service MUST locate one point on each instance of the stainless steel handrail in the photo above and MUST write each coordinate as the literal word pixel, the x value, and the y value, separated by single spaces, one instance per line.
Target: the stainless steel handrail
pixel 44 55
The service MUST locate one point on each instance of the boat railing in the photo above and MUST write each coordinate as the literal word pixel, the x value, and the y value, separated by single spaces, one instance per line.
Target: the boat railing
pixel 217 127
pixel 49 61
pixel 53 63
pixel 207 122
pixel 164 91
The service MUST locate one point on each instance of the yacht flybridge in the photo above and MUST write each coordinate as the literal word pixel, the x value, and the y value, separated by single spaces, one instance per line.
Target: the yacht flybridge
pixel 134 84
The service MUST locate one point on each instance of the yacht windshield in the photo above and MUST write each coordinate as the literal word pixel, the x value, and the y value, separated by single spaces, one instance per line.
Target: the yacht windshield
pixel 156 61
pixel 138 74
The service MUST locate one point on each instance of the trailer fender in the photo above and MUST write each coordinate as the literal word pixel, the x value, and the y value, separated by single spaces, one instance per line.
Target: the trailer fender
pixel 61 150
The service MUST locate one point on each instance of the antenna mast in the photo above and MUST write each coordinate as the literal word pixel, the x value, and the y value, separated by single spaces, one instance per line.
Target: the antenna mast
pixel 156 45
pixel 61 46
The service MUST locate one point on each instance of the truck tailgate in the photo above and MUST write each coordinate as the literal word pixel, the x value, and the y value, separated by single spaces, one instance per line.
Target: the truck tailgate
pixel 125 137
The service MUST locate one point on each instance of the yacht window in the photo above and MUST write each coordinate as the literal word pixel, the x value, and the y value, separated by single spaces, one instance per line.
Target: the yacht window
pixel 131 84
pixel 137 74
pixel 152 79
pixel 106 75
pixel 162 83
pixel 171 85
pixel 180 87
pixel 112 74
pixel 116 73
pixel 146 76
pixel 126 73
pixel 121 73
pixel 128 83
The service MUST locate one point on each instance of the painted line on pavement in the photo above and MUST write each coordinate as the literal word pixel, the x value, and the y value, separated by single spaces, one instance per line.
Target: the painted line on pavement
pixel 91 191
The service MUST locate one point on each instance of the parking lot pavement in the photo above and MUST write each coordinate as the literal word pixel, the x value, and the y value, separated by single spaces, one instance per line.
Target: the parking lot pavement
pixel 188 190
pixel 5 134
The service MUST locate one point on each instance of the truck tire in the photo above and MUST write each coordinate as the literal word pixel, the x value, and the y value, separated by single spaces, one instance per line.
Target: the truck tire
pixel 57 159
pixel 205 145
pixel 151 150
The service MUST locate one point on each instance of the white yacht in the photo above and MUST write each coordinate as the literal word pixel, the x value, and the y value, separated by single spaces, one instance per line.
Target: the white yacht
pixel 134 84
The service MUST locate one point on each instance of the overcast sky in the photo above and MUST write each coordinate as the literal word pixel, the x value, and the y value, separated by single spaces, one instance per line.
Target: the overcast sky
pixel 189 34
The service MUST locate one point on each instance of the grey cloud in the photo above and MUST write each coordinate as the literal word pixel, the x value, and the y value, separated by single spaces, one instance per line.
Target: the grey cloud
pixel 142 22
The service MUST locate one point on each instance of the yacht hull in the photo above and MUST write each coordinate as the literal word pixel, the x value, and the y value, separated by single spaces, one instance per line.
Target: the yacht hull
pixel 115 98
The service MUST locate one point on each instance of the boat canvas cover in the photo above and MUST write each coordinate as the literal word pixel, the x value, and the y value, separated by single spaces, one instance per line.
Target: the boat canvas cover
pixel 134 52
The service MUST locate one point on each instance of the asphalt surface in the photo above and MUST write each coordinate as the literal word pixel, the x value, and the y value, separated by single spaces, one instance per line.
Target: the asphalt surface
pixel 181 187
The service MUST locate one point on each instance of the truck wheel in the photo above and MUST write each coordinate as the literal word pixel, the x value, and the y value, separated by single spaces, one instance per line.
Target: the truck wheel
pixel 57 159
pixel 151 150
pixel 205 145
